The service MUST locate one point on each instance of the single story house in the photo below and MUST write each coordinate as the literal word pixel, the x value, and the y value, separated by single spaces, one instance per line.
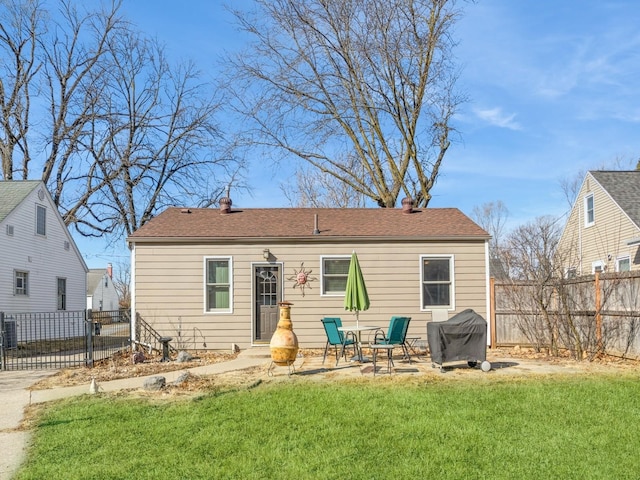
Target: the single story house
pixel 41 269
pixel 215 277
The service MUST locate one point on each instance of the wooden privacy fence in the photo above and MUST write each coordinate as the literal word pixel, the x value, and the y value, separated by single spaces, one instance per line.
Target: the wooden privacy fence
pixel 588 315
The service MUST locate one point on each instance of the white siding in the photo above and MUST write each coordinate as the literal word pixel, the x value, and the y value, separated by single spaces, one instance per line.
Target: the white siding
pixel 44 258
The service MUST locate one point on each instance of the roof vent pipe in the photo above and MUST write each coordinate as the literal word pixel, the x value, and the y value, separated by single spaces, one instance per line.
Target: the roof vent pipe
pixel 316 230
pixel 225 205
pixel 407 205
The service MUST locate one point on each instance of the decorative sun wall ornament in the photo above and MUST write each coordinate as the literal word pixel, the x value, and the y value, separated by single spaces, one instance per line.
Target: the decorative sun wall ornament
pixel 301 278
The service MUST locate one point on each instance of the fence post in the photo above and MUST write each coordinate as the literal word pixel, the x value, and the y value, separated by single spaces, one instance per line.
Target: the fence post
pixel 89 335
pixel 493 341
pixel 598 306
pixel 3 360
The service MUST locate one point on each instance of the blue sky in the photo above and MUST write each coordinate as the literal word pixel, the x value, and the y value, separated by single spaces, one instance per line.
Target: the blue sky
pixel 554 89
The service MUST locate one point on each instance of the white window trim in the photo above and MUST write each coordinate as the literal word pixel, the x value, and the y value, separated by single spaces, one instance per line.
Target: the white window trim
pixel 568 270
pixel 452 295
pixel 38 207
pixel 322 259
pixel 587 223
pixel 27 287
pixel 58 294
pixel 620 258
pixel 598 263
pixel 204 285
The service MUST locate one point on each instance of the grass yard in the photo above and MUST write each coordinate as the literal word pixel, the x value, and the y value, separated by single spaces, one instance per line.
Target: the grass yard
pixel 569 427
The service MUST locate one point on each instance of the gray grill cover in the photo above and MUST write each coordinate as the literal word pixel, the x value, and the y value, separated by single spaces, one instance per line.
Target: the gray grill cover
pixel 462 337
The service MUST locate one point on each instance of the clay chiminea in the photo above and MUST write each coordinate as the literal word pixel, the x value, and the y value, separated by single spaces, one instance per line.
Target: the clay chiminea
pixel 284 343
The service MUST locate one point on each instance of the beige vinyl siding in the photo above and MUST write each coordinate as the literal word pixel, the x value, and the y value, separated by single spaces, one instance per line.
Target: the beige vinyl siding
pixel 605 240
pixel 169 283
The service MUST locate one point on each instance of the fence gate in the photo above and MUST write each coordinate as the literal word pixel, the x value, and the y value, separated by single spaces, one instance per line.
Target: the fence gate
pixel 61 339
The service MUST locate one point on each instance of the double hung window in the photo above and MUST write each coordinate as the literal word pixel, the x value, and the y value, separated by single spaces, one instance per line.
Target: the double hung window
pixel 41 220
pixel 218 288
pixel 589 211
pixel 334 275
pixel 62 293
pixel 437 281
pixel 623 264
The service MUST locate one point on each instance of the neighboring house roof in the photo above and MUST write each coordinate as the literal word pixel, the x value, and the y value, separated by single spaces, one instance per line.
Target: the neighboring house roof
pixel 13 193
pixel 624 189
pixel 94 277
pixel 309 224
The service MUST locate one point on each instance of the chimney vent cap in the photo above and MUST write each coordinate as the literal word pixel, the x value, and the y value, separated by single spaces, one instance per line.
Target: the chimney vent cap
pixel 407 205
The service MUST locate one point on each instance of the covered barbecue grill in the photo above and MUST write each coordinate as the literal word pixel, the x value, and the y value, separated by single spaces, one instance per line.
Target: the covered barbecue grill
pixel 462 337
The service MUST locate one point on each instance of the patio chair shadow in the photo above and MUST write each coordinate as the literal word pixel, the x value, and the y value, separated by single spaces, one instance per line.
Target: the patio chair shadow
pixel 321 370
pixel 406 370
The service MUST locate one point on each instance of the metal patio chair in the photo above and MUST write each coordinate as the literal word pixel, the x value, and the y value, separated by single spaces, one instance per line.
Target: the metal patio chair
pixel 396 335
pixel 336 338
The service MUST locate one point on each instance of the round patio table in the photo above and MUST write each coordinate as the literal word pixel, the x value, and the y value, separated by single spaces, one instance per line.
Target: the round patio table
pixel 357 331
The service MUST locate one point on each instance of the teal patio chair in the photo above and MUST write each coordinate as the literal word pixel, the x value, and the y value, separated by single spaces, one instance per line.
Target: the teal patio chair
pixel 336 338
pixel 396 334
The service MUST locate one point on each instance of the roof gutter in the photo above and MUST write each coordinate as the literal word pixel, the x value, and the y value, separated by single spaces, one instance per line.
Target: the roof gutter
pixel 314 239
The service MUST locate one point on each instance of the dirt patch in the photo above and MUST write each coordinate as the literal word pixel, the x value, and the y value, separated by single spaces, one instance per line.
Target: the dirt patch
pixel 505 361
pixel 122 365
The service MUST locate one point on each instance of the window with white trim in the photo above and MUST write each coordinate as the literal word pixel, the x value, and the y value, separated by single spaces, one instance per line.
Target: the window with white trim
pixel 570 272
pixel 589 211
pixel 436 273
pixel 62 293
pixel 41 220
pixel 623 264
pixel 218 288
pixel 334 275
pixel 597 266
pixel 21 283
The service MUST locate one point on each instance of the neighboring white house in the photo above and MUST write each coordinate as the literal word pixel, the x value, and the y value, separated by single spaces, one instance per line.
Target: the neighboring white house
pixel 101 293
pixel 41 269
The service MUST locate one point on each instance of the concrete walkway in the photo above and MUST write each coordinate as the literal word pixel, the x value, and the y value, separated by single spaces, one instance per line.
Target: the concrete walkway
pixel 15 396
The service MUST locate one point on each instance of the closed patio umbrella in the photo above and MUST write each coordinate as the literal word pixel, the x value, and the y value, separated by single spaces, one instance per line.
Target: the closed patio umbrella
pixel 355 295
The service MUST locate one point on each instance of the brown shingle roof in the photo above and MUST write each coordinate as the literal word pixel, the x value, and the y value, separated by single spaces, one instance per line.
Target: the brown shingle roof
pixel 333 223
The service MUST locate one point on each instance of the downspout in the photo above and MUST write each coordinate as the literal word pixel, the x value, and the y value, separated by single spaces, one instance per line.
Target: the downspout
pixel 580 226
pixel 488 291
pixel 132 293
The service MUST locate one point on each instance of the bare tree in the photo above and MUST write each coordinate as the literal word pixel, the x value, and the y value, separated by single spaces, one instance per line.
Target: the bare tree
pixel 124 134
pixel 366 80
pixel 319 190
pixel 20 25
pixel 122 284
pixel 492 216
pixel 530 251
pixel 153 143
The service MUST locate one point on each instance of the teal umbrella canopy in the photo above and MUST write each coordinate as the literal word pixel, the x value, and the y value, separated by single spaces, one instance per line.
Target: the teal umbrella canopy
pixel 355 295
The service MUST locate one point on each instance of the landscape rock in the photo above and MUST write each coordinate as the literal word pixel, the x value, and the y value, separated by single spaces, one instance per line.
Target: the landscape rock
pixel 184 356
pixel 182 378
pixel 137 357
pixel 154 383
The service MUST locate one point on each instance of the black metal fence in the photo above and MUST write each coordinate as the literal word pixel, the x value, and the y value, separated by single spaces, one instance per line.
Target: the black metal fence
pixel 61 339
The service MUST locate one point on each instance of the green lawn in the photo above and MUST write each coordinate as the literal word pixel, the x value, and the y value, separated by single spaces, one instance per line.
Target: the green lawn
pixel 582 427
